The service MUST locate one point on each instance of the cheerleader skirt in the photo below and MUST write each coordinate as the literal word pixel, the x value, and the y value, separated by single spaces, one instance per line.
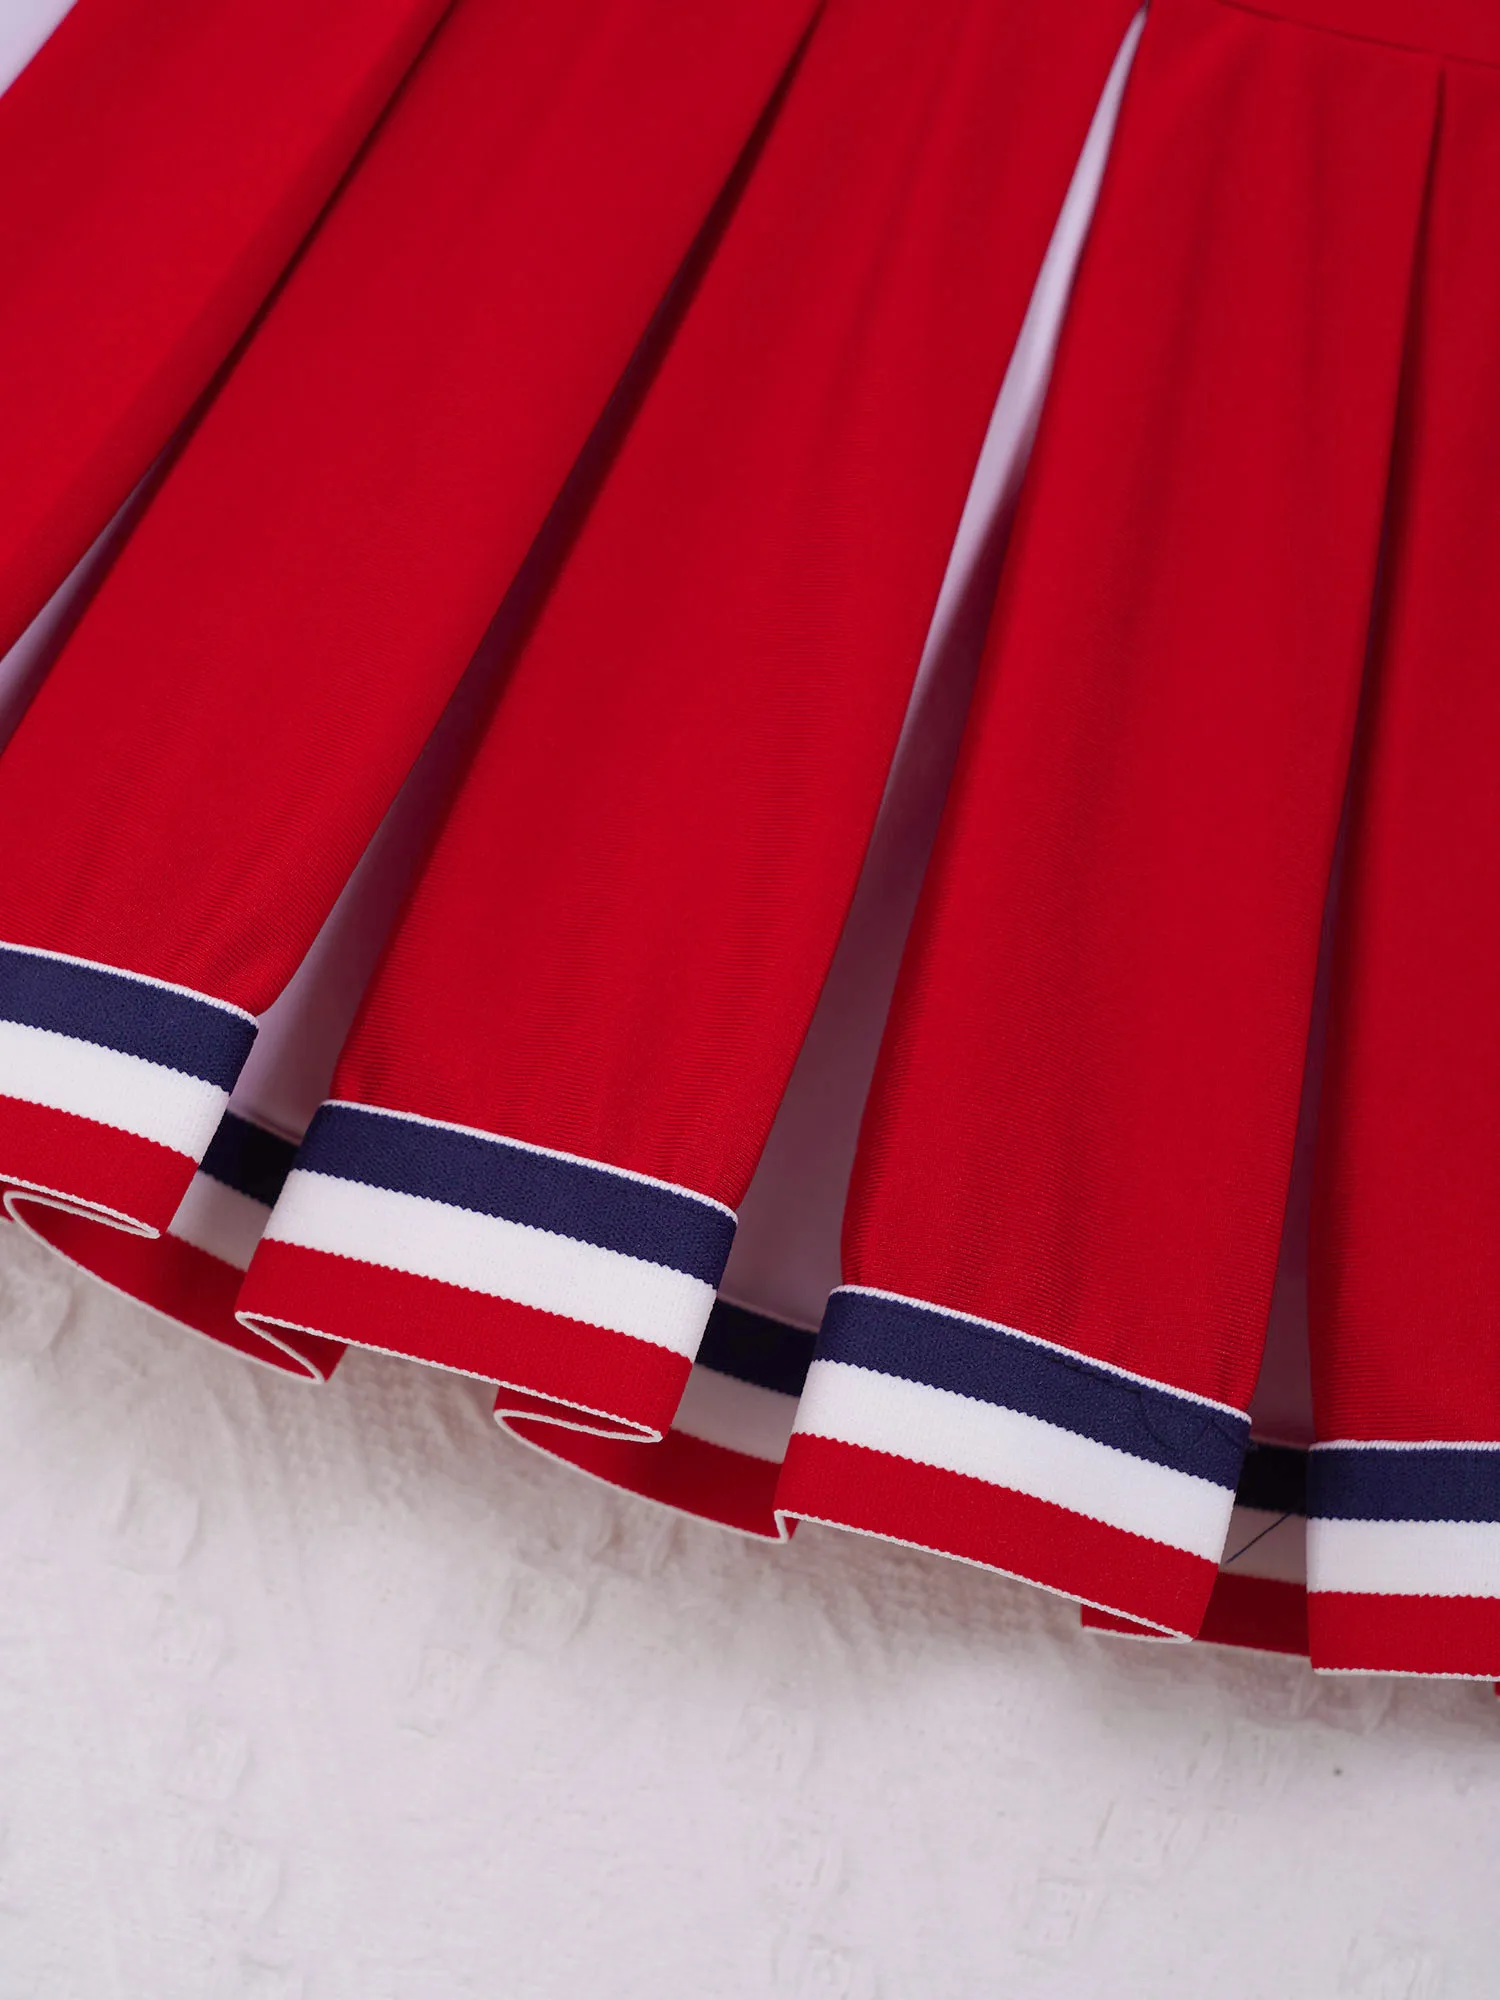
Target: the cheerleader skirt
pixel 823 1022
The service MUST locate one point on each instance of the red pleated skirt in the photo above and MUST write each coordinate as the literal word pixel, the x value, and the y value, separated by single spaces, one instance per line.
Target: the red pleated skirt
pixel 707 784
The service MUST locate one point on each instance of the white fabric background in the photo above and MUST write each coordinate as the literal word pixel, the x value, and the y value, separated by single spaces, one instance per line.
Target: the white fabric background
pixel 339 1695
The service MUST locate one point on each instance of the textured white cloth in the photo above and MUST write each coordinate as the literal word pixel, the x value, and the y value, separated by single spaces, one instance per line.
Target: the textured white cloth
pixel 335 1694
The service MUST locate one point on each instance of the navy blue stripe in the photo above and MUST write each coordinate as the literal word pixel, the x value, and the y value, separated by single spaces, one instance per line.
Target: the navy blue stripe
pixel 925 1344
pixel 494 1177
pixel 1274 1478
pixel 93 1004
pixel 755 1348
pixel 248 1158
pixel 1440 1483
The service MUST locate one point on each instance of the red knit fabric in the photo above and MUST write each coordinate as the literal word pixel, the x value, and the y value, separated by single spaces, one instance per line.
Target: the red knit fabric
pixel 618 944
pixel 1406 1223
pixel 247 691
pixel 162 159
pixel 281 634
pixel 1081 1128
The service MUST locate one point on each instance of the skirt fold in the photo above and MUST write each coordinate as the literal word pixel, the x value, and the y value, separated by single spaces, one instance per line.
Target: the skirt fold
pixel 592 1007
pixel 1404 1539
pixel 247 691
pixel 1065 1214
pixel 162 161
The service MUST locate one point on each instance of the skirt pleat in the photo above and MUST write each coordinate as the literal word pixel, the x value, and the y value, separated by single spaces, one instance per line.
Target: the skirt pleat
pixel 729 1434
pixel 565 1073
pixel 247 691
pixel 162 160
pixel 1404 1533
pixel 1065 1215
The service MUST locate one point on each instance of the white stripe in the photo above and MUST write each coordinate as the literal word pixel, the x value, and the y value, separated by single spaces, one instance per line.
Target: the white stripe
pixel 133 1095
pixel 961 1434
pixel 1069 1354
pixel 1265 1544
pixel 219 1220
pixel 1405 1558
pixel 488 1254
pixel 526 1146
pixel 740 1416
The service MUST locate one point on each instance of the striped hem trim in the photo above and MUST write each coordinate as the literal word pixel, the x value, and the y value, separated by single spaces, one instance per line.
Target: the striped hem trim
pixel 550 1368
pixel 1405 1519
pixel 617 1175
pixel 583 1288
pixel 950 1316
pixel 974 1397
pixel 1077 1449
pixel 60 1160
pixel 994 1528
pixel 1259 1599
pixel 134 1055
pixel 504 1220
pixel 1403 1558
pixel 54 968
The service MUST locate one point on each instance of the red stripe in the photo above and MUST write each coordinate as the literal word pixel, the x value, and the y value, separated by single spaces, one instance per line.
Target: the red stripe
pixel 562 1359
pixel 90 1162
pixel 958 1515
pixel 180 1280
pixel 1264 1613
pixel 708 1480
pixel 1405 1635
